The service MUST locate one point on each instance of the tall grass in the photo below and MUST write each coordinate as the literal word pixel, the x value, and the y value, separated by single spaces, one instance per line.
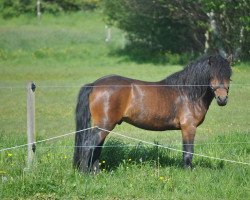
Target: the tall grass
pixel 70 50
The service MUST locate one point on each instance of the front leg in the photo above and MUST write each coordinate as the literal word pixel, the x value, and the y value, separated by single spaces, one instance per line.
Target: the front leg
pixel 188 135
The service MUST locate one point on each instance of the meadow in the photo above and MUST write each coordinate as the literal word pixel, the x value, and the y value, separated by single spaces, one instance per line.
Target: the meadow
pixel 62 53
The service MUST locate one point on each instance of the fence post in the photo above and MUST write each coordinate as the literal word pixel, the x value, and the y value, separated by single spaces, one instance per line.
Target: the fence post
pixel 38 9
pixel 31 122
pixel 107 33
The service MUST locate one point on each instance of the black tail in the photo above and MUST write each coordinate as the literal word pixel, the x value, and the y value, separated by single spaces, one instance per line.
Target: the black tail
pixel 83 121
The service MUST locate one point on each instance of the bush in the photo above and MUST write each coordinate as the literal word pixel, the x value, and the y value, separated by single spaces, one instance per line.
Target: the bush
pixel 12 8
pixel 154 23
pixel 183 26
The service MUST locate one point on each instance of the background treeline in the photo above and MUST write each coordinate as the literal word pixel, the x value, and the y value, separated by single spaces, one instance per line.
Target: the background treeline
pixel 11 8
pixel 162 27
pixel 184 26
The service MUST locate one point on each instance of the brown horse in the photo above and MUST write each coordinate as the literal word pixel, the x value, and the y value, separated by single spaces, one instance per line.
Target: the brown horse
pixel 179 102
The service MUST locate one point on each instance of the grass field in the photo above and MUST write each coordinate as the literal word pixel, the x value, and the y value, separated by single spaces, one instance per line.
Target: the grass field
pixel 62 53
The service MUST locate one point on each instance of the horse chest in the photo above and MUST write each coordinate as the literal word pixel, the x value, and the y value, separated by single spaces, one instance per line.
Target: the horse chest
pixel 192 114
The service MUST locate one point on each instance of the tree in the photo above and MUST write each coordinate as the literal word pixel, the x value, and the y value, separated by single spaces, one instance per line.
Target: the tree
pixel 229 26
pixel 12 8
pixel 181 26
pixel 156 24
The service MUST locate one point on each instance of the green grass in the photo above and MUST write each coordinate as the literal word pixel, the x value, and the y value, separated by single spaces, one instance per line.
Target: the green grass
pixel 69 51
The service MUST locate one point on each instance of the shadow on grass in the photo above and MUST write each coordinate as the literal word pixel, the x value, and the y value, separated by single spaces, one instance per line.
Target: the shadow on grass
pixel 141 53
pixel 116 153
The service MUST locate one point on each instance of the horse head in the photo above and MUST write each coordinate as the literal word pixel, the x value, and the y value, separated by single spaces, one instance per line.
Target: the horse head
pixel 220 80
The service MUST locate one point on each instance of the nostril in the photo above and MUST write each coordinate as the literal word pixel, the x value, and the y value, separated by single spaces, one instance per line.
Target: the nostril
pixel 223 99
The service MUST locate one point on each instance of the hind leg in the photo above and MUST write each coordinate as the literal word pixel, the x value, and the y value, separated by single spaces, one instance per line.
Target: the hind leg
pixel 94 147
pixel 95 151
pixel 106 111
pixel 90 151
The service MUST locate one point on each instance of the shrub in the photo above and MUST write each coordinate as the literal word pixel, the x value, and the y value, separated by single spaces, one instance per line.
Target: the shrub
pixel 12 8
pixel 183 26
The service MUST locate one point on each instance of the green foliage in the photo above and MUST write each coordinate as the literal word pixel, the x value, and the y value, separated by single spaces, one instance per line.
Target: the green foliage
pixel 182 26
pixel 12 8
pixel 68 5
pixel 232 24
pixel 156 24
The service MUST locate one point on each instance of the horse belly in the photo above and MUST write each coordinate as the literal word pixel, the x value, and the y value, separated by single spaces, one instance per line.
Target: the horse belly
pixel 152 108
pixel 152 121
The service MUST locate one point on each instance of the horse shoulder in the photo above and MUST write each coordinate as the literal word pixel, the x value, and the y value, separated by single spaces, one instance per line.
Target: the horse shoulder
pixel 192 114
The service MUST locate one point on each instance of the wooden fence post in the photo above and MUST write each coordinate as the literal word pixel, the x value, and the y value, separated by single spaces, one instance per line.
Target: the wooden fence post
pixel 31 122
pixel 107 33
pixel 38 9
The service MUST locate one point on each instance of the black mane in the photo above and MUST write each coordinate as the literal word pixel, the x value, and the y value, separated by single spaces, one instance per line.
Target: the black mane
pixel 194 79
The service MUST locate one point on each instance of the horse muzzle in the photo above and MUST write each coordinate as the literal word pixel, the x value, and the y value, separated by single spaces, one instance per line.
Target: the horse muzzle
pixel 222 101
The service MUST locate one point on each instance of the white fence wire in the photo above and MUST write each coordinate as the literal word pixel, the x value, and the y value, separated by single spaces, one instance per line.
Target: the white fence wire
pixel 144 85
pixel 131 138
pixel 122 135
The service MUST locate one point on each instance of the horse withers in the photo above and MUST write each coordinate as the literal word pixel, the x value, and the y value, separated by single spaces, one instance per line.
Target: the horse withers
pixel 178 102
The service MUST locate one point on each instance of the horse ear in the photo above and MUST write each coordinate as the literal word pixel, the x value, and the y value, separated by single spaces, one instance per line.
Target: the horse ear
pixel 230 58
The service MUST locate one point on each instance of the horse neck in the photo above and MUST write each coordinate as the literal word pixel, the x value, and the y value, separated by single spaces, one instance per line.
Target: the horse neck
pixel 207 98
